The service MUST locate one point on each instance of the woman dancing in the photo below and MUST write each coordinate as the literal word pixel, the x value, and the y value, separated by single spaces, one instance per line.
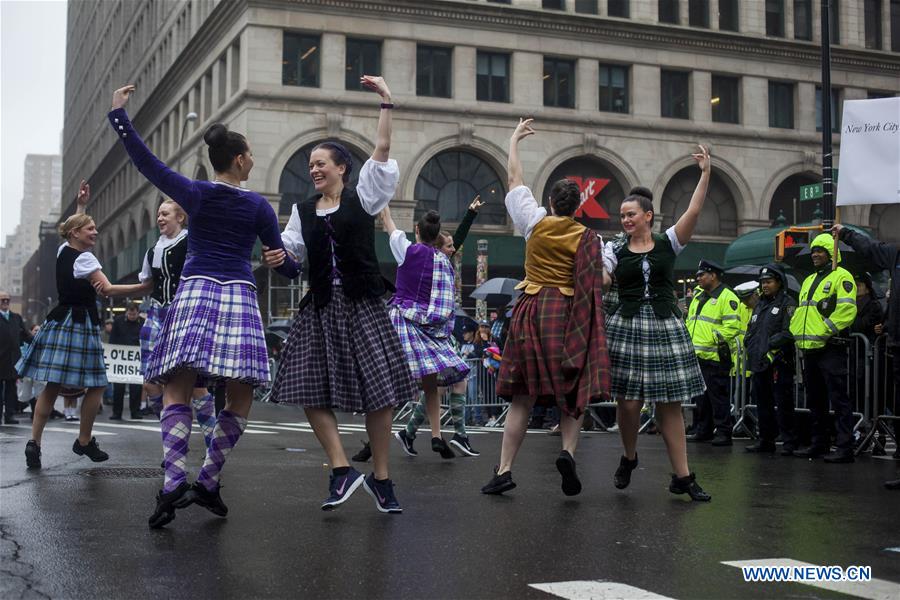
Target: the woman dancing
pixel 556 347
pixel 213 329
pixel 342 352
pixel 651 355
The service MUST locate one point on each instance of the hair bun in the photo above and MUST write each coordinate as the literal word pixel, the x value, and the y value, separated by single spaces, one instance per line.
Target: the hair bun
pixel 640 190
pixel 216 135
pixel 432 216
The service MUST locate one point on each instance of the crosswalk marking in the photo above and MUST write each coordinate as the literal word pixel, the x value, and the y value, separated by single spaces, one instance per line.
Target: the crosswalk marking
pixel 876 589
pixel 596 590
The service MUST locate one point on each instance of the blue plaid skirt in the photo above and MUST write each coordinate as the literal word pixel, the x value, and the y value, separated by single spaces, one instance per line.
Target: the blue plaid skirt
pixel 214 329
pixel 652 359
pixel 156 314
pixel 67 353
pixel 428 350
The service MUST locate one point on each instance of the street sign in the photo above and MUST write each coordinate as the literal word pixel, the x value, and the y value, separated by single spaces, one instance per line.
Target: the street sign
pixel 814 191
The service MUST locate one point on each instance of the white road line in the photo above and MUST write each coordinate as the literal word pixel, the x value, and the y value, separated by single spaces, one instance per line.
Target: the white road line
pixel 596 590
pixel 59 429
pixel 876 589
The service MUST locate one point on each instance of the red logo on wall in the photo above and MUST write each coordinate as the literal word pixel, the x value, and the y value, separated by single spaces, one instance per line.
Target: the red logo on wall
pixel 590 189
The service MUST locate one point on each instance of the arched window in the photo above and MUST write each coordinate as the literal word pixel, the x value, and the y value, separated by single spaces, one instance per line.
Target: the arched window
pixel 785 201
pixel 885 222
pixel 295 183
pixel 602 191
pixel 719 214
pixel 450 180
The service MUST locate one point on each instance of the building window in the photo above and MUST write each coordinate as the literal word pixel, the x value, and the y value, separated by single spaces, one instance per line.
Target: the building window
pixel 492 77
pixel 728 15
pixel 363 58
pixel 775 18
pixel 300 59
pixel 674 94
pixel 698 13
pixel 434 70
pixel 781 104
pixel 586 7
pixel 873 24
pixel 554 4
pixel 450 180
pixel 613 88
pixel 725 99
pixel 668 11
pixel 835 109
pixel 803 19
pixel 559 82
pixel 895 25
pixel 835 22
pixel 618 8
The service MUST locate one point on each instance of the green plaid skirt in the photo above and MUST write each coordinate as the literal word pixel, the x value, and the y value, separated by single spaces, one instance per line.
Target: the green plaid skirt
pixel 652 359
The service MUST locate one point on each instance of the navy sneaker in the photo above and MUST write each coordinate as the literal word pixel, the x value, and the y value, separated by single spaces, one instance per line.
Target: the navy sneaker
pixel 383 492
pixel 341 487
pixel 461 443
pixel 92 450
pixel 406 442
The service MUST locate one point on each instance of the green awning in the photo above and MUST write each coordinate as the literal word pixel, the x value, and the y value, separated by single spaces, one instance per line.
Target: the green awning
pixel 694 252
pixel 758 247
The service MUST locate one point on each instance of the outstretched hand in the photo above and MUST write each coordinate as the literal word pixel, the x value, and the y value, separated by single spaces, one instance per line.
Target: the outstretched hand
pixel 99 286
pixel 702 158
pixel 377 85
pixel 836 230
pixel 523 129
pixel 121 96
pixel 273 258
pixel 476 204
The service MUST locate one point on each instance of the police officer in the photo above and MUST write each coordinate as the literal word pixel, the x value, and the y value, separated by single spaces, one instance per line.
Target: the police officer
pixel 827 307
pixel 713 323
pixel 770 356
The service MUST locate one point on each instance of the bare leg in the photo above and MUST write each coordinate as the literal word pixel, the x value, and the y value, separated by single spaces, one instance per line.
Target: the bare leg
pixel 324 425
pixel 378 426
pixel 628 416
pixel 239 398
pixel 570 429
pixel 671 425
pixel 514 431
pixel 432 404
pixel 42 409
pixel 179 388
pixel 89 407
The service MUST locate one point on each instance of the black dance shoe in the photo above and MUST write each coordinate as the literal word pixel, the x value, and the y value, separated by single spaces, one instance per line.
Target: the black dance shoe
pixel 165 506
pixel 32 455
pixel 623 474
pixel 840 455
pixel 811 452
pixel 688 485
pixel 565 464
pixel 499 483
pixel 92 450
pixel 199 495
pixel 440 446
pixel 363 455
pixel 762 447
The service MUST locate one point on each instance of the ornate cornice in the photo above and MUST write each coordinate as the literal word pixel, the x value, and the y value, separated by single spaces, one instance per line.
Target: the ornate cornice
pixel 527 21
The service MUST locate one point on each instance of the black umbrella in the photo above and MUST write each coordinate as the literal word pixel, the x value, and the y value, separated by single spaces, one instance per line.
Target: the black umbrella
pixel 462 323
pixel 497 292
pixel 739 274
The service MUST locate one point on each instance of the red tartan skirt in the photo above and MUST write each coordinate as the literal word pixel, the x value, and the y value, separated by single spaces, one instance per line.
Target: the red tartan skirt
pixel 535 349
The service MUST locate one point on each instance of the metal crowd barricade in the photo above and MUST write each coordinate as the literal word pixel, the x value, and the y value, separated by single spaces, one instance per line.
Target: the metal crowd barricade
pixel 883 403
pixel 740 393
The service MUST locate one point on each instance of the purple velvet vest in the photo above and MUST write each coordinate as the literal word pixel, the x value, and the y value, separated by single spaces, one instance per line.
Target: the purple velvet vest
pixel 414 276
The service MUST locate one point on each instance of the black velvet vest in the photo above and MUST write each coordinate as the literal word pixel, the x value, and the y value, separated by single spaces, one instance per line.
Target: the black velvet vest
pixel 167 277
pixel 77 295
pixel 353 232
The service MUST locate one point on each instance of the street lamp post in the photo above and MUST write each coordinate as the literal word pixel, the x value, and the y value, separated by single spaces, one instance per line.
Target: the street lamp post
pixel 827 179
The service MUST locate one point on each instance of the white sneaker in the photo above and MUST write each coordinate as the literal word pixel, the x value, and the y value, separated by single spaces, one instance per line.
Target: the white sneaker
pixel 491 422
pixel 614 428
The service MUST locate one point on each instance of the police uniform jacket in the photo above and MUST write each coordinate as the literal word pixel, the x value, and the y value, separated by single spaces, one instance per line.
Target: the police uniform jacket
pixel 768 335
pixel 710 314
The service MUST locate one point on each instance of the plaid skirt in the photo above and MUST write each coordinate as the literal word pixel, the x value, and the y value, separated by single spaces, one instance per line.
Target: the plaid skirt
pixel 652 359
pixel 214 329
pixel 427 354
pixel 67 352
pixel 532 363
pixel 156 315
pixel 344 356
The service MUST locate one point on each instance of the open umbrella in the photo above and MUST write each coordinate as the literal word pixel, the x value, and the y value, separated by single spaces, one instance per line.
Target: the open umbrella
pixel 742 273
pixel 462 323
pixel 497 291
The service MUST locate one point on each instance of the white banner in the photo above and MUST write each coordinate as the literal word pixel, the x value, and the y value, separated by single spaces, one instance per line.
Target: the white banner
pixel 870 152
pixel 123 363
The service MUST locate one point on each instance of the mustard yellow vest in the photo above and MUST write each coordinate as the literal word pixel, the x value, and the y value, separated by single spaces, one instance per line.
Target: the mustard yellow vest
pixel 550 255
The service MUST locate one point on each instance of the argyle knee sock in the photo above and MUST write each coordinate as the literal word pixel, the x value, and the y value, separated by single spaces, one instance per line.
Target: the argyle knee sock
pixel 227 432
pixel 175 423
pixel 205 409
pixel 417 417
pixel 458 413
pixel 156 404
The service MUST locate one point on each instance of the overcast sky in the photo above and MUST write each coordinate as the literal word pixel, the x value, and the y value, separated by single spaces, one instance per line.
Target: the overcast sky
pixel 32 88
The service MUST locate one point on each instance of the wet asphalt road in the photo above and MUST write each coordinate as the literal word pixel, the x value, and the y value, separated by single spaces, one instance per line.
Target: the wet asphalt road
pixel 73 531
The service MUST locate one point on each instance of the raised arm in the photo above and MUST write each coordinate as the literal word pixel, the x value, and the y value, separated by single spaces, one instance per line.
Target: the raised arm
pixel 515 175
pixel 83 197
pixel 105 288
pixel 459 237
pixel 175 185
pixel 383 136
pixel 684 228
pixel 387 222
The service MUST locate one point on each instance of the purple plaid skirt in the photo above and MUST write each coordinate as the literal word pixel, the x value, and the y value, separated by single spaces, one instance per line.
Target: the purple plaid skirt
pixel 156 314
pixel 428 351
pixel 214 329
pixel 344 356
